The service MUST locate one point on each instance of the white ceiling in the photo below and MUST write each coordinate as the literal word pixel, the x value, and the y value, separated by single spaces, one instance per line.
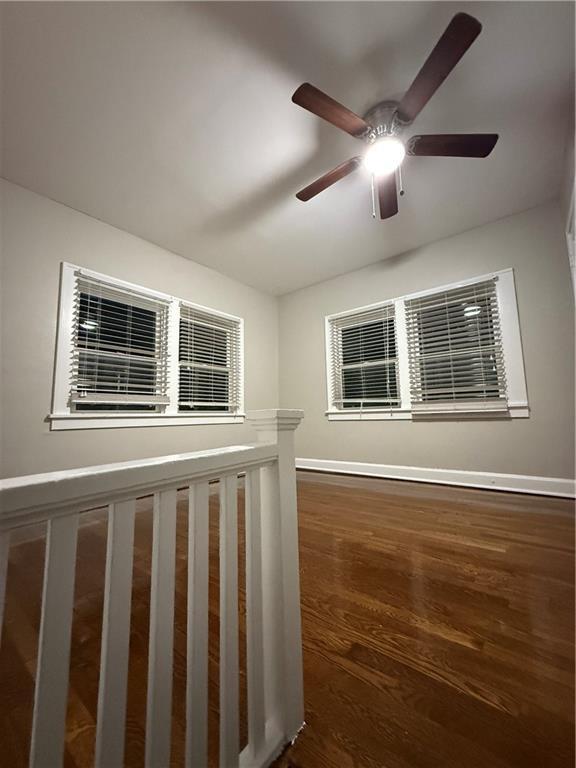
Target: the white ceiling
pixel 173 121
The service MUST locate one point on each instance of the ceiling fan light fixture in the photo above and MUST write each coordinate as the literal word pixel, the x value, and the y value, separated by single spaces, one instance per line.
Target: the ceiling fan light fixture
pixel 384 156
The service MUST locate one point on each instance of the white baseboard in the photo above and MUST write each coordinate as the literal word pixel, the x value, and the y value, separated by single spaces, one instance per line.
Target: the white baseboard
pixel 544 486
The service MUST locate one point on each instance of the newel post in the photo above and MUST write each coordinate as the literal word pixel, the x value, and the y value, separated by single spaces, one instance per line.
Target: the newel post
pixel 285 698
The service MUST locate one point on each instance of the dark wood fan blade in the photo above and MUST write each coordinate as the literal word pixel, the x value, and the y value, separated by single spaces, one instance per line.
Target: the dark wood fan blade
pixel 317 102
pixel 458 37
pixel 387 196
pixel 329 178
pixel 453 145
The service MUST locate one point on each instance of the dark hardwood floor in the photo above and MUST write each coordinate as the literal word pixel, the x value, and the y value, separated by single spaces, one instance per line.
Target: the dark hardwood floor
pixel 438 627
pixel 438 631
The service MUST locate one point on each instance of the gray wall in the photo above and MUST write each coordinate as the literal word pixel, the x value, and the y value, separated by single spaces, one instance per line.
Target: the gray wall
pixel 533 243
pixel 37 234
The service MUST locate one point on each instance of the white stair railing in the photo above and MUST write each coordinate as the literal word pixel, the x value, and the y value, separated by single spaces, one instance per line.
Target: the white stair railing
pixel 274 651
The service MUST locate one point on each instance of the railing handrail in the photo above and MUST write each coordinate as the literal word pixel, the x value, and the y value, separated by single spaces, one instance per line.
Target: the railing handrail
pixel 34 498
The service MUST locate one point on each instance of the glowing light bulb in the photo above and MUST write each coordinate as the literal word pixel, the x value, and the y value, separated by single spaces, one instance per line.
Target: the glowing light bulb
pixel 384 156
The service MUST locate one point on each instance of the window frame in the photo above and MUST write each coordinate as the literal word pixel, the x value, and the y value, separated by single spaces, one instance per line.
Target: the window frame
pixel 517 397
pixel 62 417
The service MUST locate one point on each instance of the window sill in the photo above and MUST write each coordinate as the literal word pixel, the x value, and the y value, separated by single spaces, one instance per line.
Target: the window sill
pixel 113 421
pixel 373 415
pixel 514 411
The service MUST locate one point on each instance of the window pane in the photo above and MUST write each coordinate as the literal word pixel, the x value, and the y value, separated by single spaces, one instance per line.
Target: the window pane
pixel 456 327
pixel 99 373
pixel 374 386
pixel 365 343
pixel 472 376
pixel 115 407
pixel 203 389
pixel 107 324
pixel 203 344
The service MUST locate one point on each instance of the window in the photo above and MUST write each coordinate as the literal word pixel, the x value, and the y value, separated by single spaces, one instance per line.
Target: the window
pixel 455 353
pixel 119 356
pixel 128 356
pixel 454 350
pixel 365 365
pixel 209 362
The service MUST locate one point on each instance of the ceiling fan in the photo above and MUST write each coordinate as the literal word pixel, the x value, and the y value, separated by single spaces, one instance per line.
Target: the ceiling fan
pixel 384 124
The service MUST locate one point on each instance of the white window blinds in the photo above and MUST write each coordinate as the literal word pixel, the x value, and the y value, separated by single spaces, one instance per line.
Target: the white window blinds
pixel 364 369
pixel 119 355
pixel 455 351
pixel 210 375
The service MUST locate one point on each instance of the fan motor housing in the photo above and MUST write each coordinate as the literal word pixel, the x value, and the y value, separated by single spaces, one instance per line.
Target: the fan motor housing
pixel 383 118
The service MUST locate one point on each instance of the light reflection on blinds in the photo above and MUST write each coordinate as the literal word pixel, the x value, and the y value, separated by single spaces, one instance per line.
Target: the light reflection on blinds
pixel 364 371
pixel 209 362
pixel 119 358
pixel 455 349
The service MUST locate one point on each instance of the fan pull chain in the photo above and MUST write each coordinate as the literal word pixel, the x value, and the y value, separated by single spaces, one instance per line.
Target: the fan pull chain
pixel 399 180
pixel 373 197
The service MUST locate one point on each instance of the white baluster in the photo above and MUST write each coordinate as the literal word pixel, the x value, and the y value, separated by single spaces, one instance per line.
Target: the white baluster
pixel 273 614
pixel 229 685
pixel 197 628
pixel 159 700
pixel 4 556
pixel 254 627
pixel 51 695
pixel 115 636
